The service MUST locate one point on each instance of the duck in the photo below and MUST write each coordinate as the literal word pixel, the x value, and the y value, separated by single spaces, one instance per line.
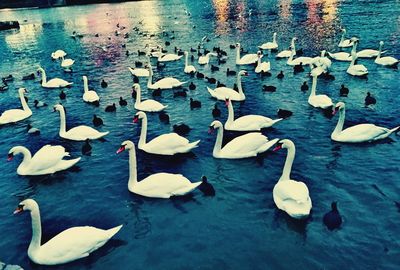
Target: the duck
pixel 8 78
pixel 270 45
pixel 58 54
pixel 103 84
pixel 89 96
pixel 282 113
pixel 333 219
pixel 205 59
pixel 269 88
pixel 280 75
pixel 192 86
pixel 48 160
pixel 166 144
pixel 149 105
pixel 69 245
pixel 298 68
pixel 356 70
pixel 189 69
pixel 97 121
pixel 62 95
pixel 53 83
pixel 199 75
pixel 181 129
pixel 165 83
pixel 248 122
pixel 388 61
pixel 29 77
pixel 206 187
pixel 79 133
pixel 87 148
pixel 289 195
pixel 181 93
pixel 369 100
pixel 287 53
pixel 230 72
pixel 304 86
pixel 344 91
pixel 262 67
pixel 221 93
pixel 302 59
pixel 318 101
pixel 122 102
pixel 4 87
pixel 358 133
pixel 39 104
pixel 216 112
pixel 16 115
pixel 139 72
pixel 344 43
pixel 111 108
pixel 214 68
pixel 164 117
pixel 154 93
pixel 158 185
pixel 32 130
pixel 244 146
pixel 194 104
pixel 246 59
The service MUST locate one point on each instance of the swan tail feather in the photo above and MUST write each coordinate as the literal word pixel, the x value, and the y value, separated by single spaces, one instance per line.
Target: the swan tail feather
pixel 267 145
pixel 276 121
pixel 113 231
pixel 193 144
pixel 394 130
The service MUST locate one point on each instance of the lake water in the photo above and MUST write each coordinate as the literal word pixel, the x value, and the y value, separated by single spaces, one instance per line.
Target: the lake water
pixel 239 228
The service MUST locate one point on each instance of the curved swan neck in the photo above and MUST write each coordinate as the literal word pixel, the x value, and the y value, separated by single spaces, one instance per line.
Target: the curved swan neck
pixel 132 169
pixel 314 86
pixel 143 132
pixel 36 230
pixel 62 121
pixel 138 96
pixel 340 123
pixel 292 45
pixel 291 152
pixel 239 83
pixel 231 113
pixel 218 141
pixel 150 80
pixel 342 38
pixel 380 51
pixel 27 156
pixel 291 55
pixel 25 106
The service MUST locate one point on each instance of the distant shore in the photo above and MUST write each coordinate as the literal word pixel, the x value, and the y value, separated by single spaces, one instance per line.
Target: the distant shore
pixel 11 4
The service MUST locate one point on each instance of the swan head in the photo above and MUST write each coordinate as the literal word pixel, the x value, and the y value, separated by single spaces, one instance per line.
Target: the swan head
pixel 22 91
pixel 186 53
pixel 214 125
pixel 227 102
pixel 285 143
pixel 84 78
pixel 237 45
pixel 259 54
pixel 139 115
pixel 343 30
pixel 338 107
pixel 58 107
pixel 125 145
pixel 381 43
pixel 40 70
pixel 274 35
pixel 243 73
pixel 136 86
pixel 26 205
pixel 13 151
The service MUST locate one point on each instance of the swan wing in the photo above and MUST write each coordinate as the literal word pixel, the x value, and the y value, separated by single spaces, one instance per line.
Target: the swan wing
pixel 249 58
pixel 166 142
pixel 150 105
pixel 90 96
pixel 362 133
pixel 320 101
pixel 139 72
pixel 47 157
pixel 284 54
pixel 253 122
pixel 14 115
pixel 83 132
pixel 249 142
pixel 224 92
pixel 57 81
pixel 291 190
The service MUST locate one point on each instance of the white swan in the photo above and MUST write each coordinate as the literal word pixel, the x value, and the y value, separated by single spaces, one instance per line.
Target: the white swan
pixel 48 160
pixel 246 59
pixel 368 53
pixel 250 122
pixel 287 53
pixel 262 66
pixel 169 57
pixel 221 93
pixel 318 101
pixel 53 83
pixel 149 105
pixel 322 61
pixel 344 43
pixel 69 245
pixel 159 185
pixel 344 56
pixel 387 60
pixel 248 145
pixel 356 70
pixel 89 95
pixel 66 63
pixel 270 45
pixel 358 133
pixel 79 133
pixel 15 115
pixel 302 59
pixel 290 195
pixel 189 69
pixel 58 54
pixel 204 59
pixel 165 144
pixel 139 72
pixel 165 83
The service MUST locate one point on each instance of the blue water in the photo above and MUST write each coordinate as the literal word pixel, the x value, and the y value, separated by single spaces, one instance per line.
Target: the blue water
pixel 239 228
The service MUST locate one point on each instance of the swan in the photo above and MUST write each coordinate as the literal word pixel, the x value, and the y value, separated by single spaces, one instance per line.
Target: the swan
pixel 287 53
pixel 246 59
pixel 58 54
pixel 189 69
pixel 69 245
pixel 318 101
pixel 262 66
pixel 169 57
pixel 165 144
pixel 221 93
pixel 358 133
pixel 356 70
pixel 79 133
pixel 248 122
pixel 344 56
pixel 322 60
pixel 48 160
pixel 387 60
pixel 368 53
pixel 302 59
pixel 139 72
pixel 15 115
pixel 204 59
pixel 89 95
pixel 66 63
pixel 290 195
pixel 165 83
pixel 248 145
pixel 159 185
pixel 149 105
pixel 53 83
pixel 270 45
pixel 344 43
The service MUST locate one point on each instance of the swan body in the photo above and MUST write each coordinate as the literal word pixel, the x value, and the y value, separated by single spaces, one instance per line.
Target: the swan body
pixel 15 115
pixel 221 93
pixel 344 43
pixel 247 122
pixel 262 66
pixel 303 60
pixel 205 59
pixel 166 144
pixel 53 83
pixel 368 53
pixel 79 133
pixel 48 160
pixel 159 185
pixel 149 105
pixel 66 63
pixel 89 95
pixel 356 70
pixel 169 57
pixel 387 60
pixel 270 45
pixel 69 245
pixel 246 59
pixel 139 72
pixel 358 133
pixel 58 54
pixel 340 56
pixel 290 195
pixel 322 61
pixel 245 146
pixel 165 83
pixel 189 69
pixel 318 101
pixel 287 53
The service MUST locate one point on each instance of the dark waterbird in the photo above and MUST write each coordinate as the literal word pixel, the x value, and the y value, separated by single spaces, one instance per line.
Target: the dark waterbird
pixel 63 95
pixel 87 148
pixel 280 75
pixel 39 104
pixel 333 219
pixel 181 129
pixel 97 121
pixel 122 102
pixel 180 93
pixel 369 100
pixel 269 88
pixel 282 113
pixel 111 108
pixel 230 72
pixel 304 86
pixel 298 68
pixel 214 68
pixel 216 112
pixel 103 84
pixel 155 93
pixel 8 78
pixel 29 77
pixel 164 117
pixel 192 86
pixel 32 130
pixel 344 91
pixel 199 75
pixel 194 104
pixel 206 188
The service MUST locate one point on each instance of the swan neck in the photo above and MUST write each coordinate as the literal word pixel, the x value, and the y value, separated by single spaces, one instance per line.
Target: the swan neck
pixel 132 169
pixel 231 113
pixel 150 80
pixel 44 78
pixel 85 85
pixel 239 83
pixel 25 106
pixel 237 54
pixel 342 38
pixel 27 156
pixel 293 45
pixel 340 123
pixel 291 152
pixel 138 96
pixel 186 60
pixel 314 86
pixel 379 52
pixel 143 132
pixel 218 141
pixel 36 230
pixel 62 122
